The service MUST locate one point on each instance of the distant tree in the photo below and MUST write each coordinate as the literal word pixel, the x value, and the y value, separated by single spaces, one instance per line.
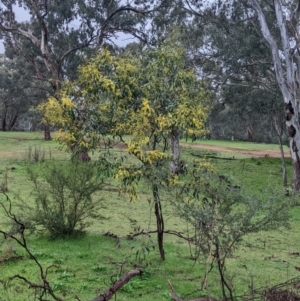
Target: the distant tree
pixel 231 53
pixel 59 35
pixel 278 23
pixel 286 62
pixel 17 92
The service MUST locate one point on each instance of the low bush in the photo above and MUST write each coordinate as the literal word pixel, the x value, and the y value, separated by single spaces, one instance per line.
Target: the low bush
pixel 64 196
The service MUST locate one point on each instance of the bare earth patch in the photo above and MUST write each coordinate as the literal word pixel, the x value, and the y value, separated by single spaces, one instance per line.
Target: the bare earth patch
pixel 250 153
pixel 233 151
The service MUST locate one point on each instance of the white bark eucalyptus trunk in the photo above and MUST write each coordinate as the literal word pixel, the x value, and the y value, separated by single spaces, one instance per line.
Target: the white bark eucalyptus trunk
pixel 287 73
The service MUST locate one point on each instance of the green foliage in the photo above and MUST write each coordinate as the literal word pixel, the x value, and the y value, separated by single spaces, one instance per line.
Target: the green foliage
pixel 16 92
pixel 147 97
pixel 64 196
pixel 222 214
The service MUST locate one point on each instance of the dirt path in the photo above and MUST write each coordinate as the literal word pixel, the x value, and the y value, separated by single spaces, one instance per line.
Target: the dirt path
pixel 265 153
pixel 249 153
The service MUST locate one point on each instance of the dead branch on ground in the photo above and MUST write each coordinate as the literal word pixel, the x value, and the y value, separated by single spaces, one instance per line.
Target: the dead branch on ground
pixel 118 284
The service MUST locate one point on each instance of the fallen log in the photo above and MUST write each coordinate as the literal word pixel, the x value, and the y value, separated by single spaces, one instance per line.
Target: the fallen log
pixel 118 284
pixel 177 298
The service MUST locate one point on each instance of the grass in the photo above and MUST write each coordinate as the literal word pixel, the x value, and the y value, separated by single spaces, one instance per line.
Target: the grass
pixel 86 265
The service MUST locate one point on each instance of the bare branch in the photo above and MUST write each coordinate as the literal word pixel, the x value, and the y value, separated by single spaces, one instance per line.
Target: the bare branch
pixel 172 232
pixel 45 285
pixel 118 284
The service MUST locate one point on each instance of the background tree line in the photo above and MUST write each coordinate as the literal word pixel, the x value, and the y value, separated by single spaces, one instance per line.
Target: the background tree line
pixel 229 52
pixel 224 41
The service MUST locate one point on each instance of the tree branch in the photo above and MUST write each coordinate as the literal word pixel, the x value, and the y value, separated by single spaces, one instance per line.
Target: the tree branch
pixel 128 8
pixel 143 232
pixel 118 284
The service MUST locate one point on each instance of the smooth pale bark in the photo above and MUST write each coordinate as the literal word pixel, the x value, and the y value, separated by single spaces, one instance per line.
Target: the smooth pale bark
pixel 287 79
pixel 284 176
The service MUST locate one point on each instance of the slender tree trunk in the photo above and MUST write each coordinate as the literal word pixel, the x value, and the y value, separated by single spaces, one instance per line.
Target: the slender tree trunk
pixel 159 221
pixel 3 123
pixel 250 133
pixel 284 175
pixel 12 122
pixel 175 151
pixel 221 268
pixel 47 133
pixel 4 117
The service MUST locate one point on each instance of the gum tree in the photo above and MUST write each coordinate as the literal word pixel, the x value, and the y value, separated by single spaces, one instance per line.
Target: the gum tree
pixel 278 23
pixel 286 61
pixel 58 35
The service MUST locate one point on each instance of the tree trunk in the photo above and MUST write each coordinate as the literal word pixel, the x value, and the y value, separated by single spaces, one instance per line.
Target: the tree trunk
pixel 284 175
pixel 47 134
pixel 83 156
pixel 287 79
pixel 292 125
pixel 3 122
pixel 159 221
pixel 12 122
pixel 250 133
pixel 175 151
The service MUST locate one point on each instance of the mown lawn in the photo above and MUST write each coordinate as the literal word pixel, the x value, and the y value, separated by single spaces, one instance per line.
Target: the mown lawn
pixel 84 266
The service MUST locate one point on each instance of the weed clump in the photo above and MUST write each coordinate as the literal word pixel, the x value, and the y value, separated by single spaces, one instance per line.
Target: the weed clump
pixel 34 155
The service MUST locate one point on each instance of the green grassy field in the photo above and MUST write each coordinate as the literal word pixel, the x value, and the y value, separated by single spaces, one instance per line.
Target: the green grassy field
pixel 84 266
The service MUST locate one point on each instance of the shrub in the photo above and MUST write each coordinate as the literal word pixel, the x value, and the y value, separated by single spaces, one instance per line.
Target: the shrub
pixel 63 195
pixel 222 214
